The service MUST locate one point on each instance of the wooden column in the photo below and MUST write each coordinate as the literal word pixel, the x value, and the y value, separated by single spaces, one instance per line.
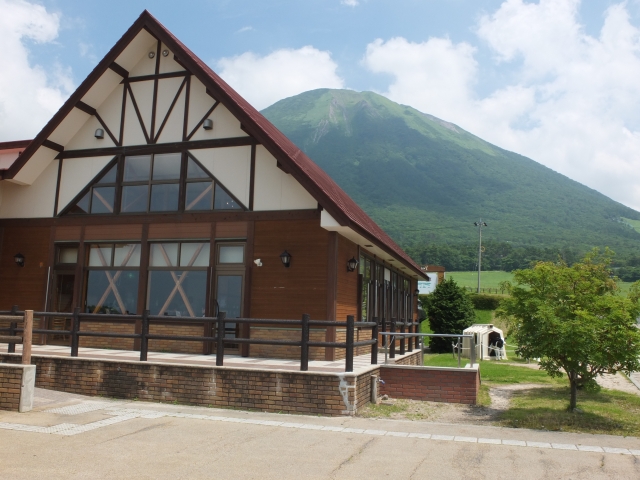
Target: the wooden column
pixel 27 337
pixel 245 328
pixel 332 292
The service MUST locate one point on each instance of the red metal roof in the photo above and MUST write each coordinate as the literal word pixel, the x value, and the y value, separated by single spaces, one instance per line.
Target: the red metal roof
pixel 330 196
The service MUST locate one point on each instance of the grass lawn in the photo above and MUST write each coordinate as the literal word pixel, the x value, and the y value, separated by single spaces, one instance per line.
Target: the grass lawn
pixel 608 411
pixel 492 279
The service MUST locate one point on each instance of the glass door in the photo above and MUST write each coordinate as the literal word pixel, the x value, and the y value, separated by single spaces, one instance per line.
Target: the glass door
pixel 64 280
pixel 229 286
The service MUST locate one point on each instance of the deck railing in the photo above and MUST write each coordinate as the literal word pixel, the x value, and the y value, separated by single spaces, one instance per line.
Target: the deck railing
pixel 221 341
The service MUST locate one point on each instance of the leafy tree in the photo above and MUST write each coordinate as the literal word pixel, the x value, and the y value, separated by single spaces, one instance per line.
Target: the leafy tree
pixel 449 310
pixel 574 319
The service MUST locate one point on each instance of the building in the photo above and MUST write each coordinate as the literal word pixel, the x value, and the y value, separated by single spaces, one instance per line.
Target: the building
pixel 435 275
pixel 156 186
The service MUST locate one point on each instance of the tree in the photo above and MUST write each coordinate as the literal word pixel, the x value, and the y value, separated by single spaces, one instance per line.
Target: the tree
pixel 574 319
pixel 449 310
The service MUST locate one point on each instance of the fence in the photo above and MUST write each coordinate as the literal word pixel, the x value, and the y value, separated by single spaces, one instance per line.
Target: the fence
pixel 457 347
pixel 77 319
pixel 486 290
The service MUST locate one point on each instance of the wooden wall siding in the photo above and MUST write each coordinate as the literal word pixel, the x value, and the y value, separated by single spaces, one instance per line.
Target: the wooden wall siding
pixel 347 292
pixel 67 233
pixel 231 229
pixel 279 292
pixel 112 232
pixel 179 230
pixel 284 351
pixel 24 286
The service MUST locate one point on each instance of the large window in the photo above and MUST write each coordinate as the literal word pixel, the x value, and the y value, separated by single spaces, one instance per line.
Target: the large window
pixel 112 278
pixel 168 182
pixel 385 293
pixel 178 279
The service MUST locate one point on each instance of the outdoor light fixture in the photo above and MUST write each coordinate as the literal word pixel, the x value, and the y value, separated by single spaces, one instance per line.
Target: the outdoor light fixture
pixel 286 258
pixel 152 54
pixel 352 264
pixel 99 133
pixel 19 259
pixel 165 53
pixel 416 292
pixel 208 124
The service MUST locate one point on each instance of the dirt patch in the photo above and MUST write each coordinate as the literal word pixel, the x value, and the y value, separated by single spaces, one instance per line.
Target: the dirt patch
pixel 448 412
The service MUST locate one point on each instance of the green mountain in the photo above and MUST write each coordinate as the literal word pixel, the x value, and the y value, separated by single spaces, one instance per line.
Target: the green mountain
pixel 425 181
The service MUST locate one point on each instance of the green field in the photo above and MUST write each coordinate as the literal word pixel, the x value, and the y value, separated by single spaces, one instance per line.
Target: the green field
pixel 492 279
pixel 634 223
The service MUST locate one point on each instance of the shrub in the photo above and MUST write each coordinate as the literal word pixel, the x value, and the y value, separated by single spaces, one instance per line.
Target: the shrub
pixel 449 310
pixel 485 302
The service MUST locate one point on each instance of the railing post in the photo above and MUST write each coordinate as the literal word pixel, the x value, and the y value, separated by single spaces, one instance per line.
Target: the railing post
pixel 459 348
pixel 392 346
pixel 385 340
pixel 410 339
pixel 350 336
pixel 75 328
pixel 27 337
pixel 374 347
pixel 144 336
pixel 12 330
pixel 402 339
pixel 304 343
pixel 220 338
pixel 472 346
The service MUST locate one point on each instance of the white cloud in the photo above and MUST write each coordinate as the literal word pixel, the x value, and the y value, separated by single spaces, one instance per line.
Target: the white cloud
pixel 283 73
pixel 29 94
pixel 570 100
pixel 245 29
pixel 351 3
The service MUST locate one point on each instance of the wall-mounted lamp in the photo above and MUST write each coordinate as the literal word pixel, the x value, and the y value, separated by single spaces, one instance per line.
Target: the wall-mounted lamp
pixel 208 124
pixel 258 262
pixel 99 133
pixel 286 258
pixel 19 259
pixel 416 292
pixel 352 264
pixel 165 53
pixel 152 54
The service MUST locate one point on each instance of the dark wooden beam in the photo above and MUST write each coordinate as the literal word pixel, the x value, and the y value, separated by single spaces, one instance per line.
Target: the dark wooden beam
pixel 52 145
pixel 119 70
pixel 85 108
pixel 159 148
pixel 159 76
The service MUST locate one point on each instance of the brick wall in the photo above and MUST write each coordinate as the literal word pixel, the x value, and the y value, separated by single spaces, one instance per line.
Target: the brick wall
pixel 272 391
pixel 176 346
pixel 410 358
pixel 10 384
pixel 435 384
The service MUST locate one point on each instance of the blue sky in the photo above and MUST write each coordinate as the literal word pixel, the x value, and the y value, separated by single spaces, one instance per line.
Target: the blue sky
pixel 555 80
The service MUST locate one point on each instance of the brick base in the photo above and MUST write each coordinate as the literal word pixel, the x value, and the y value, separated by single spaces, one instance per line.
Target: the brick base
pixel 266 390
pixel 16 386
pixel 435 384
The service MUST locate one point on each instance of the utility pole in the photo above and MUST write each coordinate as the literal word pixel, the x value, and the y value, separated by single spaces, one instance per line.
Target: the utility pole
pixel 479 224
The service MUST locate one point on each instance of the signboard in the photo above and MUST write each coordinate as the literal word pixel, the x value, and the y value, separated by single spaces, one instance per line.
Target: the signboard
pixel 426 287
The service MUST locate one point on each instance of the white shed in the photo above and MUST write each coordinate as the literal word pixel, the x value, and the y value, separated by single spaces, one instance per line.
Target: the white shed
pixel 486 337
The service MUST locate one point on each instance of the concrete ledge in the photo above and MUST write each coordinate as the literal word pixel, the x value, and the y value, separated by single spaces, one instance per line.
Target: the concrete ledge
pixel 17 386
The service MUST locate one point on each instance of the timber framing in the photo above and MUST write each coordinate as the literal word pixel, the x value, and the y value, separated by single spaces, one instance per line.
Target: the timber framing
pixel 261 132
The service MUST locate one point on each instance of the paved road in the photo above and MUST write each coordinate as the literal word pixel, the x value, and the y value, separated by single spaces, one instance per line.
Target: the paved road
pixel 75 437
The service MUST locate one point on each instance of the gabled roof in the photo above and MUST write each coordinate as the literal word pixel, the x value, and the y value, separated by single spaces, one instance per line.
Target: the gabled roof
pixel 9 153
pixel 328 194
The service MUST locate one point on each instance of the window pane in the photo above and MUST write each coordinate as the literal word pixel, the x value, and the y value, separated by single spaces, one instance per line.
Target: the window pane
pixel 231 254
pixel 126 255
pixel 68 255
pixel 223 200
pixel 136 169
pixel 194 171
pixel 165 299
pixel 134 198
pixel 229 295
pixel 199 196
pixel 164 255
pixel 82 206
pixel 102 297
pixel 110 176
pixel 194 255
pixel 100 255
pixel 102 201
pixel 164 198
pixel 167 166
